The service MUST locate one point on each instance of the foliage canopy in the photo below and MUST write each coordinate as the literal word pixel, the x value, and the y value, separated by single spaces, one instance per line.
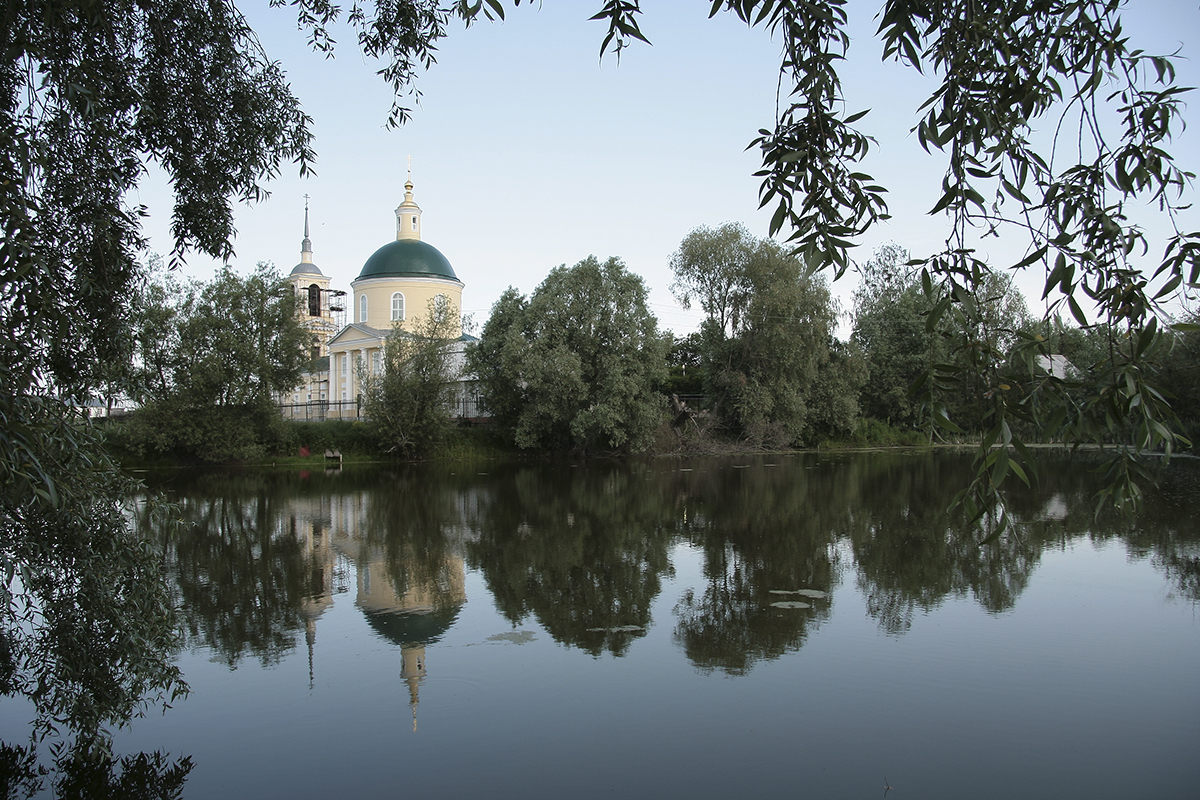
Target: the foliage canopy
pixel 211 357
pixel 90 93
pixel 578 364
pixel 772 370
pixel 409 402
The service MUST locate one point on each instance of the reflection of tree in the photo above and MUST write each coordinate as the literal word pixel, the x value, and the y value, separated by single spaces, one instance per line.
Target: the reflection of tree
pixel 911 552
pixel 582 549
pixel 762 530
pixel 241 578
pixel 1167 530
pixel 241 571
pixel 82 771
pixel 410 519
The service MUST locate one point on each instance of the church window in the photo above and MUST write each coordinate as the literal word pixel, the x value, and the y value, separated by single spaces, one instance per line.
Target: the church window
pixel 345 366
pixel 397 306
pixel 362 308
pixel 314 300
pixel 376 363
pixel 414 227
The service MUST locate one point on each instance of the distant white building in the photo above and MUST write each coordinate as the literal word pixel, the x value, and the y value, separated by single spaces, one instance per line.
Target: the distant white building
pixel 1057 366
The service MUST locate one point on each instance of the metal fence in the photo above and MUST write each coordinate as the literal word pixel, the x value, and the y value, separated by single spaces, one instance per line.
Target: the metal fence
pixel 321 410
pixel 465 407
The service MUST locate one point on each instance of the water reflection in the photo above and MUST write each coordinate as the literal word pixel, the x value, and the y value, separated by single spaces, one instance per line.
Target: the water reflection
pixel 82 772
pixel 765 527
pixel 584 549
pixel 261 557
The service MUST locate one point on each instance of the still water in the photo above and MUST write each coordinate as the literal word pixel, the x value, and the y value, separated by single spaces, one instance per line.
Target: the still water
pixel 766 627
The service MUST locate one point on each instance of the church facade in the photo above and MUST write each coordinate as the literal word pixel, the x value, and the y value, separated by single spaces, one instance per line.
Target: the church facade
pixel 393 291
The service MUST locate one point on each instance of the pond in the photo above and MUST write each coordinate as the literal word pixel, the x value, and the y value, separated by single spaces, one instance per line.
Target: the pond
pixel 772 626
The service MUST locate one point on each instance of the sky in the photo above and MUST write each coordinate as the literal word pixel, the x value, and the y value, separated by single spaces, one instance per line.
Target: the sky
pixel 529 151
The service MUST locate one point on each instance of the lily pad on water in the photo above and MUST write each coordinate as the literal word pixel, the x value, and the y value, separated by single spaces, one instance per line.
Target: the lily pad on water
pixel 620 629
pixel 813 593
pixel 513 637
pixel 790 604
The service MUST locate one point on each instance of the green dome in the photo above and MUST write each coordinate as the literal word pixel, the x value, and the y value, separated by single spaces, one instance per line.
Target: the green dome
pixel 407 258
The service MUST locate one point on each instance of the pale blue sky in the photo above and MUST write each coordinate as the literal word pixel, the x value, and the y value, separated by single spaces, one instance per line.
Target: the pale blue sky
pixel 528 152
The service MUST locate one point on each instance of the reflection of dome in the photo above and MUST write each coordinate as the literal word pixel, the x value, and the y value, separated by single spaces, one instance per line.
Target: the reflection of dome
pixel 405 627
pixel 407 258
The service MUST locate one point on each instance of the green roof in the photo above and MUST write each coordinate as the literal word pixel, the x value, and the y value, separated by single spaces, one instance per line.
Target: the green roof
pixel 407 258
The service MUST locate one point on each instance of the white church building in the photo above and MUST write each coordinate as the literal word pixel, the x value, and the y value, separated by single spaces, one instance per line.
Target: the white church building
pixel 394 289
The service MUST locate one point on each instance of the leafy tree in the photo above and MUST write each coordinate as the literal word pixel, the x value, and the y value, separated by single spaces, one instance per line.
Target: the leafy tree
pixel 835 411
pixel 576 366
pixel 766 337
pixel 491 359
pixel 889 326
pixel 409 404
pixel 91 93
pixel 1181 369
pixel 685 365
pixel 953 359
pixel 212 358
pixel 712 268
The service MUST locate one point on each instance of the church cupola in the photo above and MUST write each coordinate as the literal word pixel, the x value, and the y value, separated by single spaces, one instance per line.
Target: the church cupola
pixel 408 214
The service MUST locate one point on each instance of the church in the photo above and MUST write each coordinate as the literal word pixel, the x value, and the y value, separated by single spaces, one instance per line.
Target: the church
pixel 396 286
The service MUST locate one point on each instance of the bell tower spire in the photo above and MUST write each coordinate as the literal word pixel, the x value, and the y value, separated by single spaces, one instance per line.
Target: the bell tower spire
pixel 306 252
pixel 408 213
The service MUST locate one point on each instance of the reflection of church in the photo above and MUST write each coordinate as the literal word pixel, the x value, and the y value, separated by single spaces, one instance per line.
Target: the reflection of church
pixel 331 529
pixel 394 291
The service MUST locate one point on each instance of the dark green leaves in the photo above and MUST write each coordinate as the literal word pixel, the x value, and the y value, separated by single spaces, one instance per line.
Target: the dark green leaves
pixel 622 25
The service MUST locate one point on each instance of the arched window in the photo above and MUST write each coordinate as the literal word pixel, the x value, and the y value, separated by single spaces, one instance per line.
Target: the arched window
pixel 362 308
pixel 314 300
pixel 397 306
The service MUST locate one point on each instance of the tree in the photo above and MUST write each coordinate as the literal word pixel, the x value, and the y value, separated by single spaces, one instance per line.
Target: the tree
pixel 712 268
pixel 91 93
pixel 492 359
pixel 685 365
pixel 953 363
pixel 409 403
pixel 889 326
pixel 212 358
pixel 577 365
pixel 766 337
